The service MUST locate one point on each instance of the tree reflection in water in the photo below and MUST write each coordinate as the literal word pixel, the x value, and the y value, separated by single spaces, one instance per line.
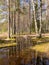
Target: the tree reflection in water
pixel 10 58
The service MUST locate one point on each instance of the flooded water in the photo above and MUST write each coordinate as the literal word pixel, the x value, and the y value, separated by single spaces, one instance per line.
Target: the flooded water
pixel 8 56
pixel 4 56
pixel 22 55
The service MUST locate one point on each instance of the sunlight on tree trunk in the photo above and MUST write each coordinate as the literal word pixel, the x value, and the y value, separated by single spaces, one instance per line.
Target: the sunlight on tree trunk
pixel 36 29
pixel 46 15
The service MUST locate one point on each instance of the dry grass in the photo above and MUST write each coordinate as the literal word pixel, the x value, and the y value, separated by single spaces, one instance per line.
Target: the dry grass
pixel 41 47
pixel 7 45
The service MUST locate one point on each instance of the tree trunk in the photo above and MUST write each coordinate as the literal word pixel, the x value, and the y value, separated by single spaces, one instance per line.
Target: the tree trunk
pixel 15 19
pixel 23 25
pixel 18 16
pixel 46 16
pixel 12 22
pixel 9 21
pixel 36 29
pixel 40 29
pixel 30 15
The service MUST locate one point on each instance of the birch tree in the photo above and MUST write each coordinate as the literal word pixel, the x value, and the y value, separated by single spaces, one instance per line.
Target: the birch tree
pixel 46 15
pixel 40 29
pixel 36 29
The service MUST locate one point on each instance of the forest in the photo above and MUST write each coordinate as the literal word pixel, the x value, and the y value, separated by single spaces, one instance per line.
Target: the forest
pixel 24 32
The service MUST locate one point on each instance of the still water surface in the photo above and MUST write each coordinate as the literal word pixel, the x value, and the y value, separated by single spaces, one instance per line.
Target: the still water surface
pixel 6 58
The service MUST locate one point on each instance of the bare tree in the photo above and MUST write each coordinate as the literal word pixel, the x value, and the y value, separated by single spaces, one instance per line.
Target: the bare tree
pixel 30 15
pixel 46 14
pixel 15 18
pixel 36 29
pixel 9 21
pixel 40 29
